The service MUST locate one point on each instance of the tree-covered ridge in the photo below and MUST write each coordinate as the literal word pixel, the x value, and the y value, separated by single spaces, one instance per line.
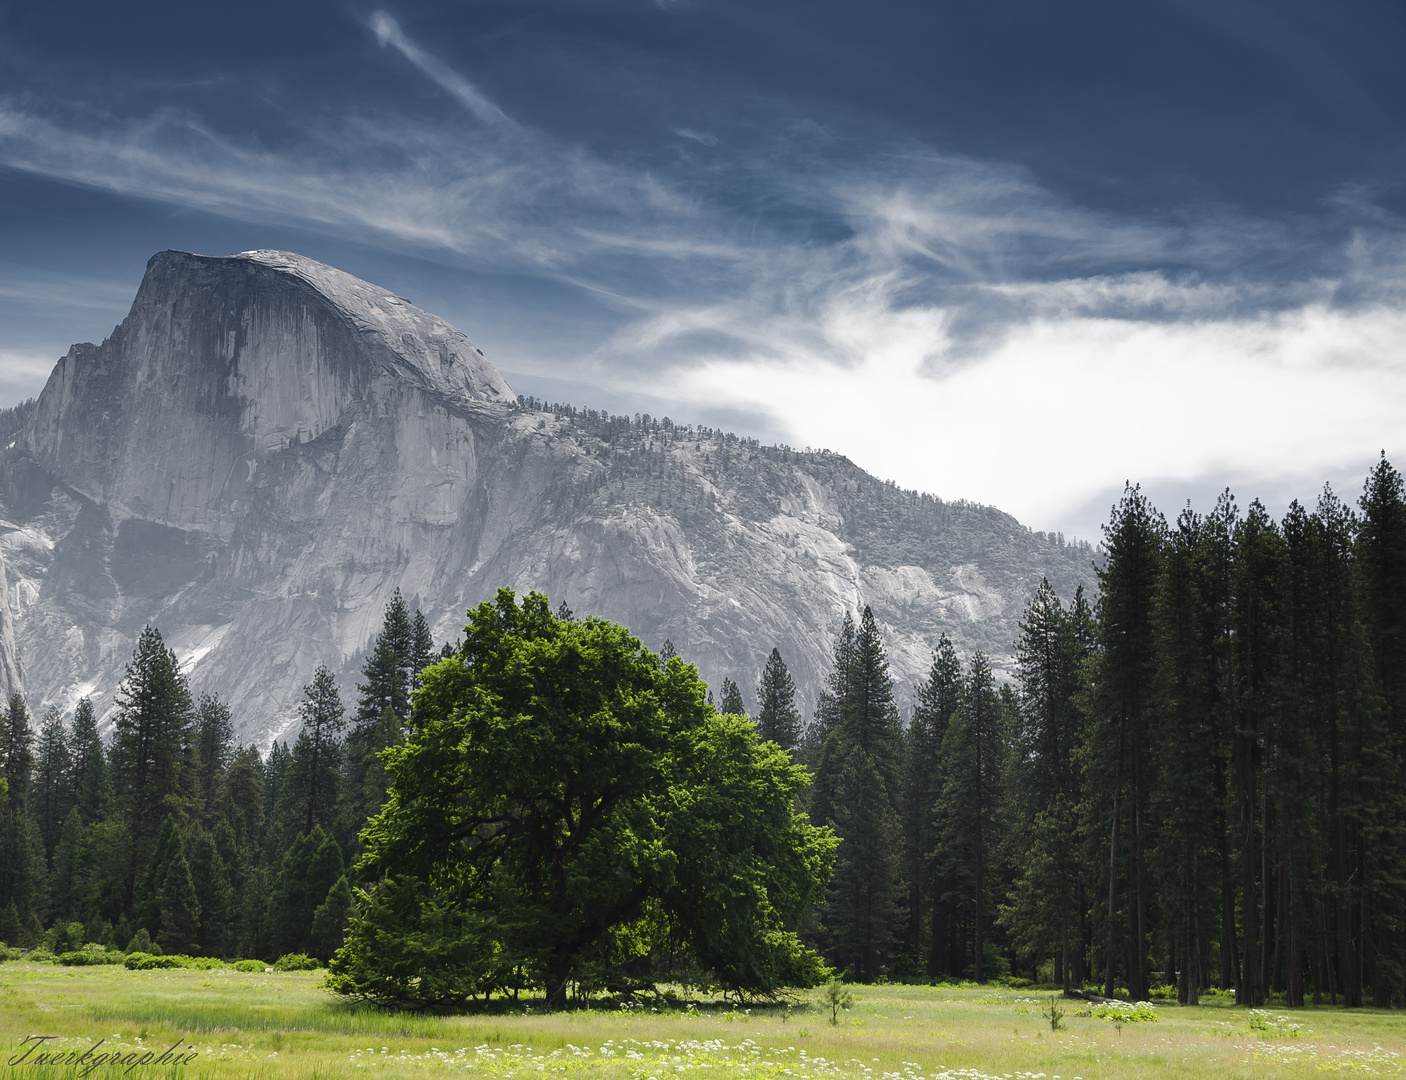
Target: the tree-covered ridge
pixel 709 479
pixel 13 418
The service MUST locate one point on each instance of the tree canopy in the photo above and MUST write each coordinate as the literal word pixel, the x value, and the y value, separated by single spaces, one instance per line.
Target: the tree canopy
pixel 568 811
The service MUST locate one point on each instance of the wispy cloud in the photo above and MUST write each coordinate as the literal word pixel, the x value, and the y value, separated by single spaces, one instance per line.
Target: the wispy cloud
pixel 697 136
pixel 388 32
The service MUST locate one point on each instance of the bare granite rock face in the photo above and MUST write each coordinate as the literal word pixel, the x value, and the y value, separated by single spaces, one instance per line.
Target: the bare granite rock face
pixel 266 448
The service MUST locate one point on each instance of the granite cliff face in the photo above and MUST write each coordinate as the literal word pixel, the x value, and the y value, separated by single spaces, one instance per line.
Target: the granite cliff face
pixel 266 448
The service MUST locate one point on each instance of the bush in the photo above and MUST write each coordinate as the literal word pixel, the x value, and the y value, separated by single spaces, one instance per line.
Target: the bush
pixel 295 962
pixel 39 956
pixel 1122 1012
pixel 147 962
pixel 141 943
pixel 249 965
pixel 90 958
pixel 9 954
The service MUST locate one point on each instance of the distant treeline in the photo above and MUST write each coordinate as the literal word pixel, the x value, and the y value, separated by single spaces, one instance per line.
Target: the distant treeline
pixel 170 831
pixel 1198 782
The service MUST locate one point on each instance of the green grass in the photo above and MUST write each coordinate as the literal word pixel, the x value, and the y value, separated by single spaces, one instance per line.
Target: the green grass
pixel 284 1026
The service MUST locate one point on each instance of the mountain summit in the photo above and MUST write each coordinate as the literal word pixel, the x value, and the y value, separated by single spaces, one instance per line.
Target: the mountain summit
pixel 267 447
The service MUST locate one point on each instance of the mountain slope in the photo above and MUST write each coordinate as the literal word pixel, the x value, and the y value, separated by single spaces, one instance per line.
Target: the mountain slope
pixel 267 447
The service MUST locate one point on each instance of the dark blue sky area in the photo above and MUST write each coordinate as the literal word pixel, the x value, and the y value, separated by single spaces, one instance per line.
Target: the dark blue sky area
pixel 696 190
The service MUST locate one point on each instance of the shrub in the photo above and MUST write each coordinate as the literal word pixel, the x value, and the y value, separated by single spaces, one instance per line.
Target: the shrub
pixel 1122 1012
pixel 90 958
pixel 249 965
pixel 147 962
pixel 39 956
pixel 141 943
pixel 8 954
pixel 295 962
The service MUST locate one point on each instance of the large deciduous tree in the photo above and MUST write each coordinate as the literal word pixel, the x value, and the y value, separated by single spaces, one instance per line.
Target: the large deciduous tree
pixel 565 806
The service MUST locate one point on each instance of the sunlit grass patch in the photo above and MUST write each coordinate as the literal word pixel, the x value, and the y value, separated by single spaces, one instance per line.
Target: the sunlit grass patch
pixel 285 1026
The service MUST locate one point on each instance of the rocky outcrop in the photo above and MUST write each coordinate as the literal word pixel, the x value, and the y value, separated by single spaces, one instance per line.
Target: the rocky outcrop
pixel 266 448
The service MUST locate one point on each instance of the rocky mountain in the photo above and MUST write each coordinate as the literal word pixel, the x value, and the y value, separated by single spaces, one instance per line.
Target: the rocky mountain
pixel 266 448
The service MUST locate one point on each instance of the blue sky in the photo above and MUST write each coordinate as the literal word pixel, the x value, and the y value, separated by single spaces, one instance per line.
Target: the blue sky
pixel 1009 252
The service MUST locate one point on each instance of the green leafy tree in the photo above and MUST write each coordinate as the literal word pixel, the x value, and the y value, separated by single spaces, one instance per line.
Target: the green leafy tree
pixel 558 792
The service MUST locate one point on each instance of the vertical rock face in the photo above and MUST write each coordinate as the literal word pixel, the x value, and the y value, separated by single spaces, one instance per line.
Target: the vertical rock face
pixel 11 677
pixel 267 447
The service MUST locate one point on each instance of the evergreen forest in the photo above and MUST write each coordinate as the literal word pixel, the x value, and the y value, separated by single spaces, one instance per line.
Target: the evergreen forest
pixel 1193 782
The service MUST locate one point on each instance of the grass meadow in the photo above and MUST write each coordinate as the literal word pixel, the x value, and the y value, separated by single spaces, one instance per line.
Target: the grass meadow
pixel 284 1026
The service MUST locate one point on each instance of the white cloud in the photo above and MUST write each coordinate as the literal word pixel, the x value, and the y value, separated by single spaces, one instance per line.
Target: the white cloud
pixel 23 372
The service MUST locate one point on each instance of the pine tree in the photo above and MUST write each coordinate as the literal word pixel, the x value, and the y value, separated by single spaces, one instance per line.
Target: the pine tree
pixel 17 752
pixel 245 787
pixel 1260 586
pixel 64 880
pixel 90 780
pixel 329 921
pixel 179 908
pixel 153 751
pixel 22 862
pixel 1045 790
pixel 277 830
pixel 862 747
pixel 1117 772
pixel 313 771
pixel 863 902
pixel 163 853
pixel 389 673
pixel 214 742
pixel 309 870
pixel 214 895
pixel 53 780
pixel 1381 556
pixel 388 670
pixel 422 650
pixel 820 754
pixel 1188 753
pixel 777 718
pixel 938 699
pixel 973 751
pixel 732 703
